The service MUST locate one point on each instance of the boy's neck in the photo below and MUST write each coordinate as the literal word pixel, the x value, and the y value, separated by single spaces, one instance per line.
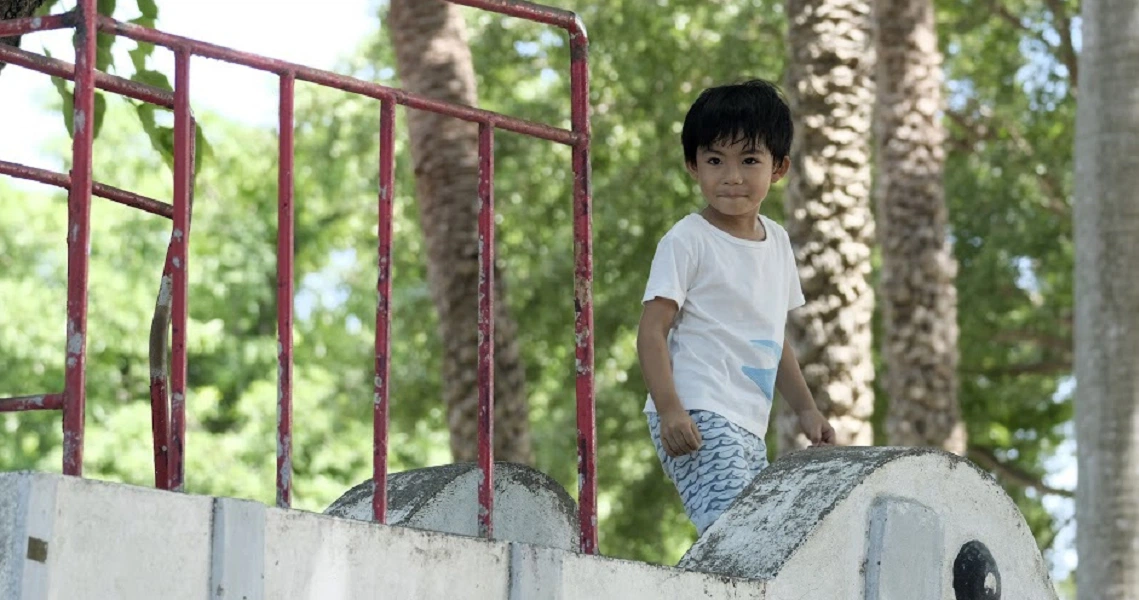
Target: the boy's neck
pixel 747 226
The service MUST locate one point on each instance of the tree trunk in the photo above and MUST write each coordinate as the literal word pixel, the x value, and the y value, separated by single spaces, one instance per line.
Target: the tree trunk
pixel 919 300
pixel 831 93
pixel 1107 302
pixel 16 9
pixel 434 59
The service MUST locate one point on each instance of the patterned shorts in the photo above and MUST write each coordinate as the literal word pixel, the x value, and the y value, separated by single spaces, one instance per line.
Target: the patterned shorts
pixel 710 478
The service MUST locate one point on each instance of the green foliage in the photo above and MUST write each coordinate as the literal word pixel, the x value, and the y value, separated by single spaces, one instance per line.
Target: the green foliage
pixel 1007 181
pixel 1009 185
pixel 161 138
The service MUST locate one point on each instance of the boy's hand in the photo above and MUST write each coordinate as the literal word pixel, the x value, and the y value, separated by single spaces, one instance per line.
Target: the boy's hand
pixel 678 433
pixel 816 427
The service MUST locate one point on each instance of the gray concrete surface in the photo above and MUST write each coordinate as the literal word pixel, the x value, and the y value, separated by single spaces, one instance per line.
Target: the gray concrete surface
pixel 815 520
pixel 529 506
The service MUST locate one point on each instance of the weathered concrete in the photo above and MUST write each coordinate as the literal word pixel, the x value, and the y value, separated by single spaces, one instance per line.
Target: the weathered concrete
pixel 76 538
pixel 529 506
pixel 541 573
pixel 813 520
pixel 324 558
pixel 870 524
pixel 103 540
pixel 237 567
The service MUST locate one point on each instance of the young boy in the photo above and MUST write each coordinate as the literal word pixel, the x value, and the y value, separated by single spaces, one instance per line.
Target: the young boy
pixel 711 337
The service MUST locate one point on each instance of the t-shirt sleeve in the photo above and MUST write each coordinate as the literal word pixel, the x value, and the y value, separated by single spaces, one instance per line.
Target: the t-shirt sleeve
pixel 672 271
pixel 795 297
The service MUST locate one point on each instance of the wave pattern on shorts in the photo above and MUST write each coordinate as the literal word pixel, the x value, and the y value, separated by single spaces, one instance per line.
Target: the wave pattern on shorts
pixel 711 478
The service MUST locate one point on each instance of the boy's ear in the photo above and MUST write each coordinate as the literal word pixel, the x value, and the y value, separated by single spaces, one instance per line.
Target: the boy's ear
pixel 691 167
pixel 781 169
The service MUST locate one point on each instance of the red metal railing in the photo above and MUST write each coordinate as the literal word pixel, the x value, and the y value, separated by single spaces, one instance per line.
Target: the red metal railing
pixel 171 309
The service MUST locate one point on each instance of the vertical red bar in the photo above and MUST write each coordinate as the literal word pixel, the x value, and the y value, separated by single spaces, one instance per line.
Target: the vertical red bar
pixel 79 242
pixel 486 329
pixel 583 291
pixel 383 314
pixel 285 213
pixel 179 245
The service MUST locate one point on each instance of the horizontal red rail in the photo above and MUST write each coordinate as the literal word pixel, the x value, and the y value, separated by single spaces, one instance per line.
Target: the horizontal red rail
pixel 44 402
pixel 531 12
pixel 115 194
pixel 13 27
pixel 110 83
pixel 171 308
pixel 340 82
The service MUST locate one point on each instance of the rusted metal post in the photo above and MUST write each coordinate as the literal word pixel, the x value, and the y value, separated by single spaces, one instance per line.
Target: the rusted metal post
pixel 583 289
pixel 285 215
pixel 486 330
pixel 179 244
pixel 383 315
pixel 79 241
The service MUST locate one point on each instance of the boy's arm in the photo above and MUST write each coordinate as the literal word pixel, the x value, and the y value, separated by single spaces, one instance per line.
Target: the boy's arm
pixel 791 385
pixel 678 432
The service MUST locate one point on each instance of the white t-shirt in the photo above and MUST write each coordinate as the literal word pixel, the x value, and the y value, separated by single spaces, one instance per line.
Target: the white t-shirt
pixel 734 295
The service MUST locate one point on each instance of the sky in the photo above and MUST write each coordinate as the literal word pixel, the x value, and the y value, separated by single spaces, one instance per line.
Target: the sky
pixel 267 27
pixel 301 35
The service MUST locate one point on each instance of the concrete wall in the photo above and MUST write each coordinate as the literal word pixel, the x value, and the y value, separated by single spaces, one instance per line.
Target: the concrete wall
pixel 68 538
pixel 878 524
pixel 529 506
pixel 842 523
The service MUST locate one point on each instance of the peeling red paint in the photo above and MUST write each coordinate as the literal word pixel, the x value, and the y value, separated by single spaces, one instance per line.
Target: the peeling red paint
pixel 168 416
pixel 383 314
pixel 79 244
pixel 486 330
pixel 179 250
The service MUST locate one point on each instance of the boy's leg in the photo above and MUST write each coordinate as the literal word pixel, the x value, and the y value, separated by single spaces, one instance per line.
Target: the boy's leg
pixel 710 478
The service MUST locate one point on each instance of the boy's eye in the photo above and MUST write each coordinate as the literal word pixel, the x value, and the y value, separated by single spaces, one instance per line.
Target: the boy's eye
pixel 751 160
pixel 714 160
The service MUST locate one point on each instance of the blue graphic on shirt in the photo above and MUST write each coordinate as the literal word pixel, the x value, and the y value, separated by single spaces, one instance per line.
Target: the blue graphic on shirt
pixel 765 377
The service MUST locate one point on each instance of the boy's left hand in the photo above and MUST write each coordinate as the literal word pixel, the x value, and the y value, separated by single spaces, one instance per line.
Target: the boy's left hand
pixel 816 427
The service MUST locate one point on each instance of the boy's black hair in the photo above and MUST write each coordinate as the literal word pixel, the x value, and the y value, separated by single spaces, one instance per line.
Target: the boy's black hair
pixel 754 111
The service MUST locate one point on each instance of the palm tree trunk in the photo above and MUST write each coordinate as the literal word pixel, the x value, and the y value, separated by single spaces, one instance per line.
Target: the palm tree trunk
pixel 434 59
pixel 1107 302
pixel 831 93
pixel 919 299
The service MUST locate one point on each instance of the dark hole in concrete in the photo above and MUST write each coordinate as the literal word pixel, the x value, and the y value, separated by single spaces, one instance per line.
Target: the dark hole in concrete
pixel 975 573
pixel 37 550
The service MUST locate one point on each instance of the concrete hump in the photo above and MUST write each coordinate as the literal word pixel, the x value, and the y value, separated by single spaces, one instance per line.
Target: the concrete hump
pixel 878 524
pixel 529 506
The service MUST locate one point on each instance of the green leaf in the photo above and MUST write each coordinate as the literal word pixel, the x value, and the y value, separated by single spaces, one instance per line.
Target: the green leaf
pixel 202 149
pixel 139 56
pixel 148 8
pixel 45 8
pixel 161 138
pixel 100 112
pixel 152 78
pixel 103 42
pixel 64 88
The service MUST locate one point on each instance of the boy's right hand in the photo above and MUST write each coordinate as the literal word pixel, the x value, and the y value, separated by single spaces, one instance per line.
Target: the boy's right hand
pixel 678 433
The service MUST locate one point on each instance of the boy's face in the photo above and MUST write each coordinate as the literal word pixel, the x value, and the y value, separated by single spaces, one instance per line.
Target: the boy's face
pixel 735 177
